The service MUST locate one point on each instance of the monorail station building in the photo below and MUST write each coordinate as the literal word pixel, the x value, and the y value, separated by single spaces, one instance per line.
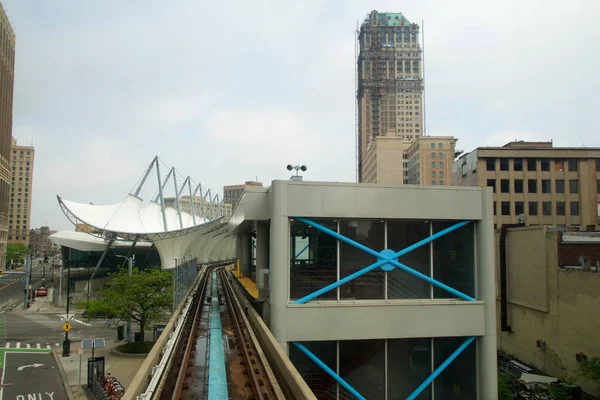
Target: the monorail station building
pixel 373 292
pixel 376 292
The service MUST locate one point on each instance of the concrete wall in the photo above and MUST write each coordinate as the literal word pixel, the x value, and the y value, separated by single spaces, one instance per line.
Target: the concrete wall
pixel 546 302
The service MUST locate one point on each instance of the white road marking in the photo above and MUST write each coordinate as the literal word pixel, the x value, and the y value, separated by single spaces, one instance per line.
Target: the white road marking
pixel 49 347
pixel 81 322
pixel 38 346
pixel 7 345
pixel 18 345
pixel 28 346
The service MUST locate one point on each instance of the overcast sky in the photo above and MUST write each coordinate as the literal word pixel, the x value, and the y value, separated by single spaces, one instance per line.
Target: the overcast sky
pixel 234 91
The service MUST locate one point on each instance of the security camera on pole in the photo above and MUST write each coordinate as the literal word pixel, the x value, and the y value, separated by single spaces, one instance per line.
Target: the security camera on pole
pixel 297 168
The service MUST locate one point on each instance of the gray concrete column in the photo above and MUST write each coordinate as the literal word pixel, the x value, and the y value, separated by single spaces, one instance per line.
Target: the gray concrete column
pixel 245 259
pixel 278 277
pixel 238 247
pixel 486 291
pixel 262 258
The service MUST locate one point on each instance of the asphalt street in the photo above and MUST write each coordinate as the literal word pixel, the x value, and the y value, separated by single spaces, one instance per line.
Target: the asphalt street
pixel 33 374
pixel 12 282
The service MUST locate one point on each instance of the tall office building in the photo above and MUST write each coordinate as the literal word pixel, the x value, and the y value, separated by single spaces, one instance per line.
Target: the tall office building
pixel 7 74
pixel 20 194
pixel 233 193
pixel 390 81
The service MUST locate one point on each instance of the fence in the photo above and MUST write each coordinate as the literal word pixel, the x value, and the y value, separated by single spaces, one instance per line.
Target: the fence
pixel 183 278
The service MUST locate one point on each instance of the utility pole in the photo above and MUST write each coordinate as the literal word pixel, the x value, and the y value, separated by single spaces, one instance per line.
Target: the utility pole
pixel 130 261
pixel 27 276
pixel 67 342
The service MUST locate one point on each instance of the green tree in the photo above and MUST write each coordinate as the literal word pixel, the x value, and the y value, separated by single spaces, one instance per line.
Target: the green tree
pixel 16 252
pixel 590 369
pixel 143 297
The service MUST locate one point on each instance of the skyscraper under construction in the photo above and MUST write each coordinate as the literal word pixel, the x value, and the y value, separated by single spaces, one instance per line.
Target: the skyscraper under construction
pixel 390 81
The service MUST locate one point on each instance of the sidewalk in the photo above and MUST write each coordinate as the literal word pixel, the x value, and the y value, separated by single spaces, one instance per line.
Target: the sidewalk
pixel 42 305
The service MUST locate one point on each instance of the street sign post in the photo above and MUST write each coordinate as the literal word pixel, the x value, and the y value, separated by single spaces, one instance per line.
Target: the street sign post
pixel 67 317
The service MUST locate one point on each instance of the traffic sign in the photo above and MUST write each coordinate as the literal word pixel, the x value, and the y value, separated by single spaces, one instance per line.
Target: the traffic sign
pixel 67 327
pixel 67 317
pixel 80 351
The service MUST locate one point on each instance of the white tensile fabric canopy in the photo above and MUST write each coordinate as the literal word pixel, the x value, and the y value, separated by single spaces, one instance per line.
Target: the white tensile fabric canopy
pixel 132 220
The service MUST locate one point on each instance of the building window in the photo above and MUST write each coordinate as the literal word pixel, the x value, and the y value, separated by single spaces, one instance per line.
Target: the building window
pixel 573 186
pixel 495 212
pixel 519 208
pixel 572 164
pixel 441 174
pixel 433 182
pixel 574 208
pixel 598 187
pixel 532 185
pixel 505 205
pixel 492 183
pixel 433 155
pixel 518 164
pixel 441 156
pixel 441 164
pixel 598 165
pixel 433 173
pixel 547 208
pixel 433 164
pixel 558 165
pixel 504 187
pixel 490 164
pixel 560 186
pixel 560 208
pixel 533 208
pixel 504 164
pixel 519 186
pixel 546 186
pixel 441 183
pixel 440 146
pixel 433 145
pixel 545 164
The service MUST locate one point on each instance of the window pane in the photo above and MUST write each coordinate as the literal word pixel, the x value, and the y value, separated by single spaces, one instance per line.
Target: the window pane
pixel 370 234
pixel 545 164
pixel 598 165
pixel 519 208
pixel 362 365
pixel 312 267
pixel 411 360
pixel 322 385
pixel 546 188
pixel 432 155
pixel 504 188
pixel 574 205
pixel 492 183
pixel 518 164
pixel 560 208
pixel 402 285
pixel 504 164
pixel 572 164
pixel 453 259
pixel 531 164
pixel 518 185
pixel 573 186
pixel 560 186
pixel 505 205
pixel 532 185
pixel 458 380
pixel 490 164
pixel 547 208
pixel 533 208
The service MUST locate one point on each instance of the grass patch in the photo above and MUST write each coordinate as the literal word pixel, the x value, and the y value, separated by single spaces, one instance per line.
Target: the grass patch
pixel 136 348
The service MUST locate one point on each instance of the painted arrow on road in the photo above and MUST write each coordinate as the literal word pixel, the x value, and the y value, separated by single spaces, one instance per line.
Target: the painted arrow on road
pixel 22 367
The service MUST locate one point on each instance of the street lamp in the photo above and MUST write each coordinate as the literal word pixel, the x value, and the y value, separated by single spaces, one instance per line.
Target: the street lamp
pixel 130 272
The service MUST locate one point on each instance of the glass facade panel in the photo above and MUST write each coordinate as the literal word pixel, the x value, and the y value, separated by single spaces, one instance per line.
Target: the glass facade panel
pixel 458 380
pixel 400 284
pixel 362 365
pixel 313 259
pixel 371 234
pixel 409 364
pixel 454 259
pixel 323 386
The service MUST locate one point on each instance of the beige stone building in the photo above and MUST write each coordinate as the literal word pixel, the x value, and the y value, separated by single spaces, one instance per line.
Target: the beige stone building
pixel 40 243
pixel 548 185
pixel 555 323
pixel 233 193
pixel 390 81
pixel 209 210
pixel 426 160
pixel 7 74
pixel 20 193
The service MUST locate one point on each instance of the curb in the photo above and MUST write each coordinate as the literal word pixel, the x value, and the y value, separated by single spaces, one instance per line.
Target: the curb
pixel 117 353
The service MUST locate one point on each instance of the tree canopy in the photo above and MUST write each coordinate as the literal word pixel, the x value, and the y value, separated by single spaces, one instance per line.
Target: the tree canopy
pixel 16 252
pixel 144 297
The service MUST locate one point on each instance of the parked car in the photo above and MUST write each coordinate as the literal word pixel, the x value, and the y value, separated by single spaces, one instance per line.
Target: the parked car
pixel 41 291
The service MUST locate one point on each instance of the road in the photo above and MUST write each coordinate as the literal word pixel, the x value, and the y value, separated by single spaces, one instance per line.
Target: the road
pixel 30 375
pixel 12 284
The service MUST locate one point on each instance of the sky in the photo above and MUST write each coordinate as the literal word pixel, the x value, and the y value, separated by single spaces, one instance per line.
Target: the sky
pixel 234 91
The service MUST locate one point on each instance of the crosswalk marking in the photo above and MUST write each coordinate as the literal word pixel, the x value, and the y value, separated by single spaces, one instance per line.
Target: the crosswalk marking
pixel 38 346
pixel 48 347
pixel 28 346
pixel 23 345
pixel 7 345
pixel 18 345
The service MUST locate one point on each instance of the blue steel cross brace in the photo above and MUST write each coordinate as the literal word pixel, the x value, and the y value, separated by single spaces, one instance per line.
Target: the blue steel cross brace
pixel 388 259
